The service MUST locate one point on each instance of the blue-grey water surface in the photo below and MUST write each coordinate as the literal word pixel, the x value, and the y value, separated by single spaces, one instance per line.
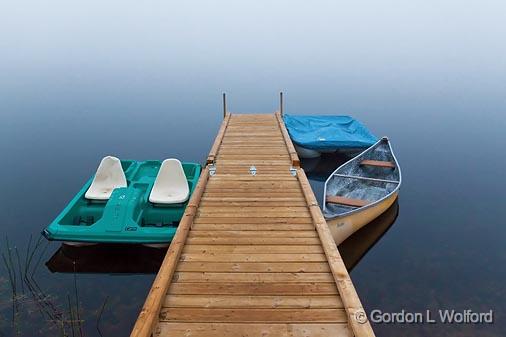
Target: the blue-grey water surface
pixel 81 80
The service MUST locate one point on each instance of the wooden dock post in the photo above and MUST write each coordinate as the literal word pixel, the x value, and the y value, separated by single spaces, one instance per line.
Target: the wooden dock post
pixel 281 103
pixel 224 105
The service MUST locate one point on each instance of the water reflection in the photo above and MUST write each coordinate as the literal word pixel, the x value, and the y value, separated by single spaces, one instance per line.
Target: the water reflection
pixel 106 259
pixel 320 168
pixel 354 248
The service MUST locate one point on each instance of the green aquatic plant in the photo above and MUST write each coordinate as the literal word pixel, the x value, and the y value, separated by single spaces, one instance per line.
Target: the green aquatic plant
pixel 27 297
pixel 59 314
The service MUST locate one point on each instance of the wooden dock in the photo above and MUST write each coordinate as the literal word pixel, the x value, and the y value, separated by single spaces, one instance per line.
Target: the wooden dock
pixel 252 255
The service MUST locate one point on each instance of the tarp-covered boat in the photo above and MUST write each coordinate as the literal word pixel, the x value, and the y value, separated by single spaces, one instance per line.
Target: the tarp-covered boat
pixel 313 135
pixel 128 202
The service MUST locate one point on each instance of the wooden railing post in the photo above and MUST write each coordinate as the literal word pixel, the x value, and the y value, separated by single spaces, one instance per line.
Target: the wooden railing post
pixel 281 103
pixel 224 105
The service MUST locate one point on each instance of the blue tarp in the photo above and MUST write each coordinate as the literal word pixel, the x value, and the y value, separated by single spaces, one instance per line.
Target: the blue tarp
pixel 328 132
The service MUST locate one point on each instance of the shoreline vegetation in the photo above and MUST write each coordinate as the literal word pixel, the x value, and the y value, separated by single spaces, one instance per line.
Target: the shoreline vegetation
pixel 62 314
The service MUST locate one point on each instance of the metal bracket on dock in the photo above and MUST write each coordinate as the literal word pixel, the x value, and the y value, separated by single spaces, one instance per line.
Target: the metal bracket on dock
pixel 253 170
pixel 293 171
pixel 212 169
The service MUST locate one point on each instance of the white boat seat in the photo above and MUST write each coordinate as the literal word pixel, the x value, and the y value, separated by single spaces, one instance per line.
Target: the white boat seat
pixel 109 176
pixel 171 186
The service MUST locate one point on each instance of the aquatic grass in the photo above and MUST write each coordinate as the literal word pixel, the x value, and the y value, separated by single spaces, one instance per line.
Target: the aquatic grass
pixel 9 265
pixel 21 272
pixel 71 316
pixel 60 315
pixel 19 269
pixel 39 259
pixel 12 277
pixel 44 301
pixel 29 256
pixel 77 300
pixel 9 273
pixel 99 316
pixel 28 251
pixel 47 309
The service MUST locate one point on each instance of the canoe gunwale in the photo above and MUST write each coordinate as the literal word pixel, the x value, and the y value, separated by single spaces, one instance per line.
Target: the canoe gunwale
pixel 372 204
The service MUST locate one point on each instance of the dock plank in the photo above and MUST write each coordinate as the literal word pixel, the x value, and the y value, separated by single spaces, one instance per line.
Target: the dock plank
pixel 217 219
pixel 253 330
pixel 252 315
pixel 271 249
pixel 252 227
pixel 293 234
pixel 252 277
pixel 258 267
pixel 244 301
pixel 254 288
pixel 259 257
pixel 252 241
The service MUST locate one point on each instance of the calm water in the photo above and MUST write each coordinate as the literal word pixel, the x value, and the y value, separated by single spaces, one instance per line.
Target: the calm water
pixel 142 82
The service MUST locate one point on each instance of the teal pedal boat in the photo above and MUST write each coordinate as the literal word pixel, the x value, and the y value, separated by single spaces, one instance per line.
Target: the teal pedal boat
pixel 128 202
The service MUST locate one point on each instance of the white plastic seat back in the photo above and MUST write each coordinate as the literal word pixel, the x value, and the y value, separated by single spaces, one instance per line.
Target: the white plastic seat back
pixel 171 186
pixel 109 176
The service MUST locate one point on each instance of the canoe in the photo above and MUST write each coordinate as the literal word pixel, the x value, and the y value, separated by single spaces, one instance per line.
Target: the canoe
pixel 361 189
pixel 313 135
pixel 124 212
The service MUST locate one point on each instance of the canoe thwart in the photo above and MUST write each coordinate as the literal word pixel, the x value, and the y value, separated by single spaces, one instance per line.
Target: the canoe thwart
pixel 378 163
pixel 335 199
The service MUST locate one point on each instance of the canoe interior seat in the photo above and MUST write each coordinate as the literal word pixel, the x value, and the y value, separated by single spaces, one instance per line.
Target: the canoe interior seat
pixel 108 177
pixel 171 186
pixel 378 163
pixel 335 199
